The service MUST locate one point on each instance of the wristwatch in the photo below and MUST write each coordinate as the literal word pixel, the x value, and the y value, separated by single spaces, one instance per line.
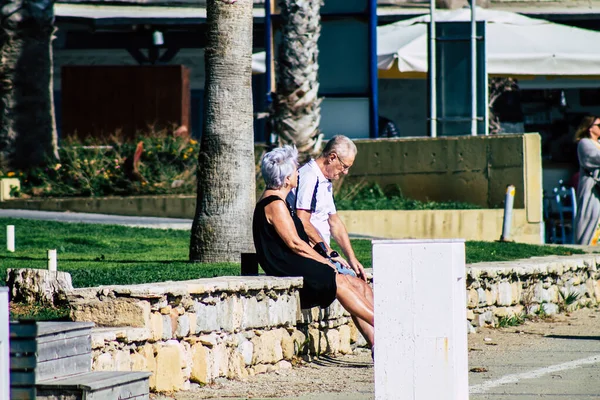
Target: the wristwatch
pixel 334 254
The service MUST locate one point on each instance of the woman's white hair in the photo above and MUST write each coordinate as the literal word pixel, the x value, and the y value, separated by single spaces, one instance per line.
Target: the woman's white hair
pixel 277 165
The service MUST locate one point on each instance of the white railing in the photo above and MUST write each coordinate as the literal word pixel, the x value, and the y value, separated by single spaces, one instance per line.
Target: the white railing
pixel 4 345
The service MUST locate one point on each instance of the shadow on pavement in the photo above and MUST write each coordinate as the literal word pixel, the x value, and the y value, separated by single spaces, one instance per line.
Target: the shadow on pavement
pixel 334 362
pixel 577 337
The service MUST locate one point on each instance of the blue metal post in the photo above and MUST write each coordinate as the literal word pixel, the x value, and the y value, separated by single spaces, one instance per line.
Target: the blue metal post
pixel 268 50
pixel 373 81
pixel 270 136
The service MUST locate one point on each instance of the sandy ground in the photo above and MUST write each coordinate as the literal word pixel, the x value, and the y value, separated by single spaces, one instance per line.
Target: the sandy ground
pixel 351 376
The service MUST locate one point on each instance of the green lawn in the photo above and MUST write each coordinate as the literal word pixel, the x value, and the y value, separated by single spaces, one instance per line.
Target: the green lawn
pixel 107 254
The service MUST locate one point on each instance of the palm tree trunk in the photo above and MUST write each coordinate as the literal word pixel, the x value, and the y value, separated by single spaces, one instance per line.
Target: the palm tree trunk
pixel 27 123
pixel 297 108
pixel 223 220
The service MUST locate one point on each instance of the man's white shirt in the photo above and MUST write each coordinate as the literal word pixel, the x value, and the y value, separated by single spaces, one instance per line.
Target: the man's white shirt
pixel 319 203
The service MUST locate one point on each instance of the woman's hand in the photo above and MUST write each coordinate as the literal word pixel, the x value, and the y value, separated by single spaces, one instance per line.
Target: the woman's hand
pixel 341 260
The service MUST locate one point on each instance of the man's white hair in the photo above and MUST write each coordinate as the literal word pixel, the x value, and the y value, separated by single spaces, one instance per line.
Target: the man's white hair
pixel 340 145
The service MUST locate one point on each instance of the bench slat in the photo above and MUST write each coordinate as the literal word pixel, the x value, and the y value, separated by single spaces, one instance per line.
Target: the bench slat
pixel 65 347
pixel 63 367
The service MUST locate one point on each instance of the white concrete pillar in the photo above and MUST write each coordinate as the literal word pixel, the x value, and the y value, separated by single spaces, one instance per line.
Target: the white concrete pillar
pixel 420 320
pixel 4 345
pixel 10 238
pixel 52 260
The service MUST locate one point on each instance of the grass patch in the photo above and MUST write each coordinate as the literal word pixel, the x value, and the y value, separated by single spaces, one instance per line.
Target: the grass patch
pixel 507 251
pixel 106 254
pixel 37 312
pixel 117 255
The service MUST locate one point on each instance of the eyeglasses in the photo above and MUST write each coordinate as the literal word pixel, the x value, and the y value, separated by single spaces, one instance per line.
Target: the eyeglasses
pixel 591 126
pixel 346 167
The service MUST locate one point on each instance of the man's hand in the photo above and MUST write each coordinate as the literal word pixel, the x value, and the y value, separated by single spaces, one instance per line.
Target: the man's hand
pixel 358 268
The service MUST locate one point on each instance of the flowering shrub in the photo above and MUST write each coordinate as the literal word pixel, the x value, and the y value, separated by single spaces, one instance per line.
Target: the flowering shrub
pixel 159 163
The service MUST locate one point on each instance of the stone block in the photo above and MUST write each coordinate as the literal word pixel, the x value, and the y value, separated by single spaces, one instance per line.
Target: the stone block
pixel 183 326
pixel 130 335
pixel 472 298
pixel 192 323
pixel 156 326
pixel 209 340
pixel 246 349
pixel 299 340
pixel 287 345
pixel 333 341
pixel 169 376
pixel 267 348
pixel 505 294
pixel 200 365
pixel 138 362
pixel 485 318
pixel 174 323
pixel 283 365
pixel 256 313
pixel 260 369
pixel 167 331
pixel 230 313
pixel 317 342
pixel 491 295
pixel 104 362
pixel 516 289
pixel 220 360
pixel 502 312
pixel 206 317
pixel 123 360
pixel 113 312
pixel 147 351
pixel 236 368
pixel 550 308
pixel 354 332
pixel 481 297
pixel 470 315
pixel 345 347
pixel 101 336
pixel 166 310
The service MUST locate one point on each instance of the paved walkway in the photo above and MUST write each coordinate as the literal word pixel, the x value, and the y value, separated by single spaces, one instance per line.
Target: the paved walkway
pixel 142 222
pixel 86 218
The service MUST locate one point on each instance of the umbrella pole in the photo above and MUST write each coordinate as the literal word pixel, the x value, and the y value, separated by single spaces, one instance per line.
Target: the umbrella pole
pixel 473 70
pixel 432 75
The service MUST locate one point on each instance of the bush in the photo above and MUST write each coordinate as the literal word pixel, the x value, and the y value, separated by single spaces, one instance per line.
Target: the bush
pixel 158 163
pixel 370 196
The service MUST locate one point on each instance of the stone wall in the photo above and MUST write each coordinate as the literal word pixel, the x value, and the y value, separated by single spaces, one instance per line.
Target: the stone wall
pixel 196 331
pixel 535 286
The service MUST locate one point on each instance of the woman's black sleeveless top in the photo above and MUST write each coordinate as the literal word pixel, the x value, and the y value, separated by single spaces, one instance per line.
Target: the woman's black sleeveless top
pixel 277 259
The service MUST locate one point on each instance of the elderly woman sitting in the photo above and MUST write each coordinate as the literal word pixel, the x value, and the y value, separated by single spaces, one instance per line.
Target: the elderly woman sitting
pixel 283 250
